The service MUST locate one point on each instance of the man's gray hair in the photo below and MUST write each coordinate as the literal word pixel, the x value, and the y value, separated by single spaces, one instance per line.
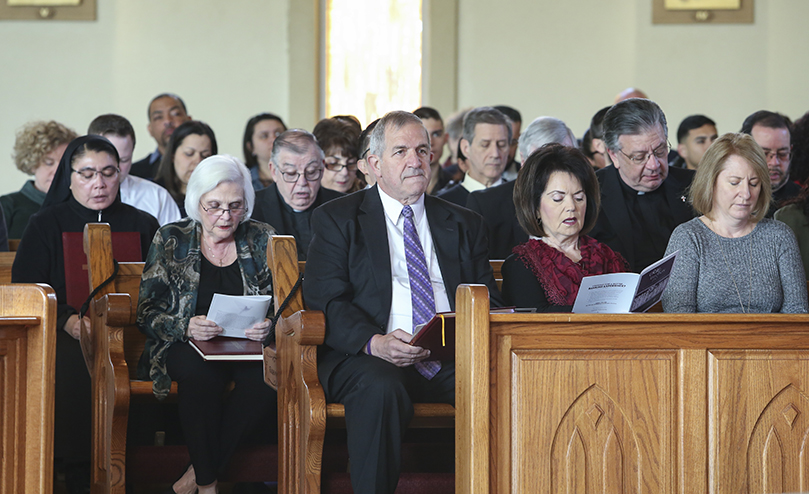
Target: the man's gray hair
pixel 296 141
pixel 484 115
pixel 394 120
pixel 213 171
pixel 544 130
pixel 634 116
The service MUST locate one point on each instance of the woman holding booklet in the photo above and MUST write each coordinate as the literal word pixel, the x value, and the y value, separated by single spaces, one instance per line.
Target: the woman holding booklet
pixel 731 258
pixel 557 199
pixel 217 249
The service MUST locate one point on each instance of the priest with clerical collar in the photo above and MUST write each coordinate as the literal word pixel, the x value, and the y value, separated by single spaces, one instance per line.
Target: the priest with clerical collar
pixel 643 200
pixel 296 166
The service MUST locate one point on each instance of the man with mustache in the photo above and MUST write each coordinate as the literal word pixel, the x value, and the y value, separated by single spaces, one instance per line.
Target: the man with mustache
pixel 642 199
pixel 485 143
pixel 166 113
pixel 771 131
pixel 381 261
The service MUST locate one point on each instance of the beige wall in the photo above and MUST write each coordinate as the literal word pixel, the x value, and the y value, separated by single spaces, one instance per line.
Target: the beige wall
pixel 569 58
pixel 230 60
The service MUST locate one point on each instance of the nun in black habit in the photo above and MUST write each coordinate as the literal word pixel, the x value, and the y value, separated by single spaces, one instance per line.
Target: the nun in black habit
pixel 84 190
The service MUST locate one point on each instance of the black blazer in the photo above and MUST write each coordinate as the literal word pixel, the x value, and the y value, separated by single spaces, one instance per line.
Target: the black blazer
pixel 348 273
pixel 457 194
pixel 613 226
pixel 145 169
pixel 268 205
pixel 496 205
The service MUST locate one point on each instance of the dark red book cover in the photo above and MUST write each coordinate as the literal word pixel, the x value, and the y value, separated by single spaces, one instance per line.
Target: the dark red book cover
pixel 438 334
pixel 125 248
pixel 224 348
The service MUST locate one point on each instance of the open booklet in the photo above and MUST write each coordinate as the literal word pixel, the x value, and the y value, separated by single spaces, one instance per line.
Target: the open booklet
pixel 234 313
pixel 624 292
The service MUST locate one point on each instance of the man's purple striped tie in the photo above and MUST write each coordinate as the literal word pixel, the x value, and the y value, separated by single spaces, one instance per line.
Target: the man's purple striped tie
pixel 421 289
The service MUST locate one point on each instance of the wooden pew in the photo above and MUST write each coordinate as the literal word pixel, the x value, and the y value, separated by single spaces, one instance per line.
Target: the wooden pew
pixel 27 363
pixel 114 346
pixel 303 414
pixel 613 403
pixel 6 261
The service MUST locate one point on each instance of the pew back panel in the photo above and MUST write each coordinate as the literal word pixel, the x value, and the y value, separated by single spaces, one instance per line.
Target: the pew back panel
pixel 637 402
pixel 27 367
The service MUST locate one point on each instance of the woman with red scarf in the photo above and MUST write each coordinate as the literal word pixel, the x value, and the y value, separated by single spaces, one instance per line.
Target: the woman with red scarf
pixel 557 201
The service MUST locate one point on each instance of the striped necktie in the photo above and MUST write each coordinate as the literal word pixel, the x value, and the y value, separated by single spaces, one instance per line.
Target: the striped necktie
pixel 421 289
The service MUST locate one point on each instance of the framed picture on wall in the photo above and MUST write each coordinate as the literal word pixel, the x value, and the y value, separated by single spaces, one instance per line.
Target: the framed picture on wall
pixel 702 11
pixel 63 10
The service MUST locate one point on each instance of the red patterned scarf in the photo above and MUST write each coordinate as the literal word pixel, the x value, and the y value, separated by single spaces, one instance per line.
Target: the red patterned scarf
pixel 559 276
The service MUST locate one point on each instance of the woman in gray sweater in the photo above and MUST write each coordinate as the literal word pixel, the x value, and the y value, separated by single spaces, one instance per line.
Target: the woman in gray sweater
pixel 731 259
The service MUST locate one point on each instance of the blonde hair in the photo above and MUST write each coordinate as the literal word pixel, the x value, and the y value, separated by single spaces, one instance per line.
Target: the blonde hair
pixel 37 139
pixel 701 192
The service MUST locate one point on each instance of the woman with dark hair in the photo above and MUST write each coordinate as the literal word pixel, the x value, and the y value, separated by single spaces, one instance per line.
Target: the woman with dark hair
pixel 338 138
pixel 557 200
pixel 259 136
pixel 732 258
pixel 190 143
pixel 84 190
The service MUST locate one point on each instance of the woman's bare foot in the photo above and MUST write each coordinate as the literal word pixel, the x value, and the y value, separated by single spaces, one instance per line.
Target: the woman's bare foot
pixel 187 483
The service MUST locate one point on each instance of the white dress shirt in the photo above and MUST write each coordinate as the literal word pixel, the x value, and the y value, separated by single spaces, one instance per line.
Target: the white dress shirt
pixel 150 197
pixel 472 185
pixel 401 307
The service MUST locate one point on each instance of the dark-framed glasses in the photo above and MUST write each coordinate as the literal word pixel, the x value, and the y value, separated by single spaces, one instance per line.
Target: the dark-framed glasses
pixel 335 165
pixel 88 174
pixel 660 153
pixel 217 211
pixel 311 175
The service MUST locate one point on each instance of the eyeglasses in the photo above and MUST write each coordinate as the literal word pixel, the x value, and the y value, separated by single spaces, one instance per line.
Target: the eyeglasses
pixel 661 153
pixel 333 164
pixel 217 212
pixel 782 156
pixel 311 175
pixel 88 174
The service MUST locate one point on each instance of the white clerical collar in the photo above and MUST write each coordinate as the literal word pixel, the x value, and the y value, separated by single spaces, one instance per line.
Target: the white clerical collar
pixel 472 185
pixel 393 208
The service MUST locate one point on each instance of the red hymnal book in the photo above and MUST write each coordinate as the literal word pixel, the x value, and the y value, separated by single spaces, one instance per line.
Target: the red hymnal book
pixel 125 248
pixel 438 334
pixel 224 348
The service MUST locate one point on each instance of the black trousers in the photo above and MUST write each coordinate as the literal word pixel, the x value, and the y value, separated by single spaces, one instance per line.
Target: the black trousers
pixel 214 424
pixel 378 399
pixel 73 402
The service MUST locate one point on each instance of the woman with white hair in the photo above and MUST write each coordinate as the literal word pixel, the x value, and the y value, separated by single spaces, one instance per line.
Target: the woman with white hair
pixel 216 249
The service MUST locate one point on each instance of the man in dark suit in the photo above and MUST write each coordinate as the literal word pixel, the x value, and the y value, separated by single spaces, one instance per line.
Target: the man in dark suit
pixel 485 143
pixel 771 131
pixel 642 199
pixel 376 257
pixel 296 166
pixel 496 204
pixel 166 112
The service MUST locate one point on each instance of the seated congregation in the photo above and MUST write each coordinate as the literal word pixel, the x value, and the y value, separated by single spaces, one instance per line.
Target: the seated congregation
pixel 388 232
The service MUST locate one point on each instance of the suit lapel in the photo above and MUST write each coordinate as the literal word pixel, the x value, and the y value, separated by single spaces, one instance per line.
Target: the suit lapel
pixel 372 223
pixel 675 194
pixel 445 242
pixel 614 208
pixel 272 209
